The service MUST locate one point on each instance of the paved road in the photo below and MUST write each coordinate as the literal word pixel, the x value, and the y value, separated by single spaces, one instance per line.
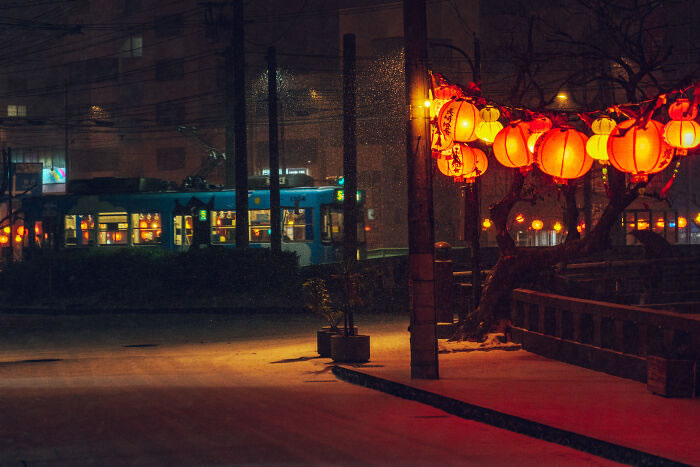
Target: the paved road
pixel 220 390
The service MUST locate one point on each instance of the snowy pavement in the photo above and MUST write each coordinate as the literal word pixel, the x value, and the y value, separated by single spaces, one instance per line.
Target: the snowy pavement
pixel 222 390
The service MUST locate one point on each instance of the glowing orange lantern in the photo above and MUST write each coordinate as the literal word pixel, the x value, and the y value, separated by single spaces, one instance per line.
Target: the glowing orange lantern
pixel 486 224
pixel 458 119
pixel 4 239
pixel 6 229
pixel 18 239
pixel 439 142
pixel 510 146
pixel 520 218
pixel 603 125
pixel 557 227
pixel 487 131
pixel 481 163
pixel 682 222
pixel 460 162
pixel 639 151
pixel 540 124
pixel 143 224
pixel 20 230
pixel 561 153
pixel 537 224
pixel 681 110
pixel 118 237
pixel 682 134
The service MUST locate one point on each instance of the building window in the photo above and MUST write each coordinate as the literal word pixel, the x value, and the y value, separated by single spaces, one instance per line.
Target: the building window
pixel 170 158
pixel 79 230
pixel 113 228
pixel 132 47
pixel 170 113
pixel 146 228
pixel 16 110
pixel 223 227
pixel 169 26
pixel 168 70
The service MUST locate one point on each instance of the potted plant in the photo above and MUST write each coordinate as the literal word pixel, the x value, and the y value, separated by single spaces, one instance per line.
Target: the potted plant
pixel 318 300
pixel 350 346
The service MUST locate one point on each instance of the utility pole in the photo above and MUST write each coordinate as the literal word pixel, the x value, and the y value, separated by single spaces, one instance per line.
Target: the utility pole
pixel 349 151
pixel 424 356
pixel 349 164
pixel 275 222
pixel 236 141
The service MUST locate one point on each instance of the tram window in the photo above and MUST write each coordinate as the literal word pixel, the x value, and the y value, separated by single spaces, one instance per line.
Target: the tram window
pixel 79 229
pixel 182 237
pixel 223 227
pixel 259 220
pixel 146 228
pixel 113 228
pixel 332 225
pixel 297 225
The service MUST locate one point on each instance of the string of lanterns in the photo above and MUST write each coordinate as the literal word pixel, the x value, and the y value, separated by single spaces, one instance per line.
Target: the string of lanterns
pixel 637 145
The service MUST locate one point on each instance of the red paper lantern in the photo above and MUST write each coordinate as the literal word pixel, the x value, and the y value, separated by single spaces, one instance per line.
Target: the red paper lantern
pixel 458 119
pixel 463 162
pixel 438 141
pixel 510 146
pixel 639 150
pixel 682 134
pixel 561 153
pixel 540 124
pixel 481 163
pixel 677 110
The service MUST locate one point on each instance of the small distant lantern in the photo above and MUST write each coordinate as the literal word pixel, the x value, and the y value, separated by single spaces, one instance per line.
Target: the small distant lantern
pixel 638 150
pixel 537 224
pixel 510 146
pixel 486 224
pixel 561 153
pixel 458 120
pixel 519 218
pixel 557 227
pixel 682 222
pixel 682 132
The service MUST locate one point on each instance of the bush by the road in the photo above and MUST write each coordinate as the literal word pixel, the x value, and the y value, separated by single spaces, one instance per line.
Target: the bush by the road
pixel 152 278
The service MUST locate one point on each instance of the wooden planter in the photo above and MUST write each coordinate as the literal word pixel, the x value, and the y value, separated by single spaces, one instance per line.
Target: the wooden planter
pixel 350 348
pixel 671 378
pixel 323 340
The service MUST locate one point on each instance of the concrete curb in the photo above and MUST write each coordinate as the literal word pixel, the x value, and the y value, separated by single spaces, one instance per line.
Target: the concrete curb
pixel 505 421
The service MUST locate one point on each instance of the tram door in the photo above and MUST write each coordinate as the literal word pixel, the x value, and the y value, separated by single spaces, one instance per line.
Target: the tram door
pixel 192 223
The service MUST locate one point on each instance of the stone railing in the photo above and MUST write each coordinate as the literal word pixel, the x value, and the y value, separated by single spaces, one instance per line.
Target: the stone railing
pixel 617 339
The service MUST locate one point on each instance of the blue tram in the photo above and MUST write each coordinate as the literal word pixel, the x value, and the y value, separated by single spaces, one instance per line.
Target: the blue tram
pixel 141 217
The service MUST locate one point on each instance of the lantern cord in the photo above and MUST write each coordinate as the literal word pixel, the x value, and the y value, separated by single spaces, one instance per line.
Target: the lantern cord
pixel 664 191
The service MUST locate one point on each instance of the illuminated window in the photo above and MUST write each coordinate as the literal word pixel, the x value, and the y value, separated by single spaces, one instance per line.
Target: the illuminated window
pixel 113 228
pixel 132 47
pixel 297 225
pixel 16 110
pixel 146 228
pixel 79 230
pixel 182 230
pixel 259 220
pixel 223 227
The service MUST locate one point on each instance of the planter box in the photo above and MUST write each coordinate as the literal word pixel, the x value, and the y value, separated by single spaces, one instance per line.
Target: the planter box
pixel 323 340
pixel 350 348
pixel 671 378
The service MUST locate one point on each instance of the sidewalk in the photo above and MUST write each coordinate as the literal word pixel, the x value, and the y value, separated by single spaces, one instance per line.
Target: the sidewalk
pixel 605 415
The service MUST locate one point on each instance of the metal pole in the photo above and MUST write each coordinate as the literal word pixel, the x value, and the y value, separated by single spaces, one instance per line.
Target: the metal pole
pixel 349 165
pixel 241 143
pixel 275 222
pixel 424 356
